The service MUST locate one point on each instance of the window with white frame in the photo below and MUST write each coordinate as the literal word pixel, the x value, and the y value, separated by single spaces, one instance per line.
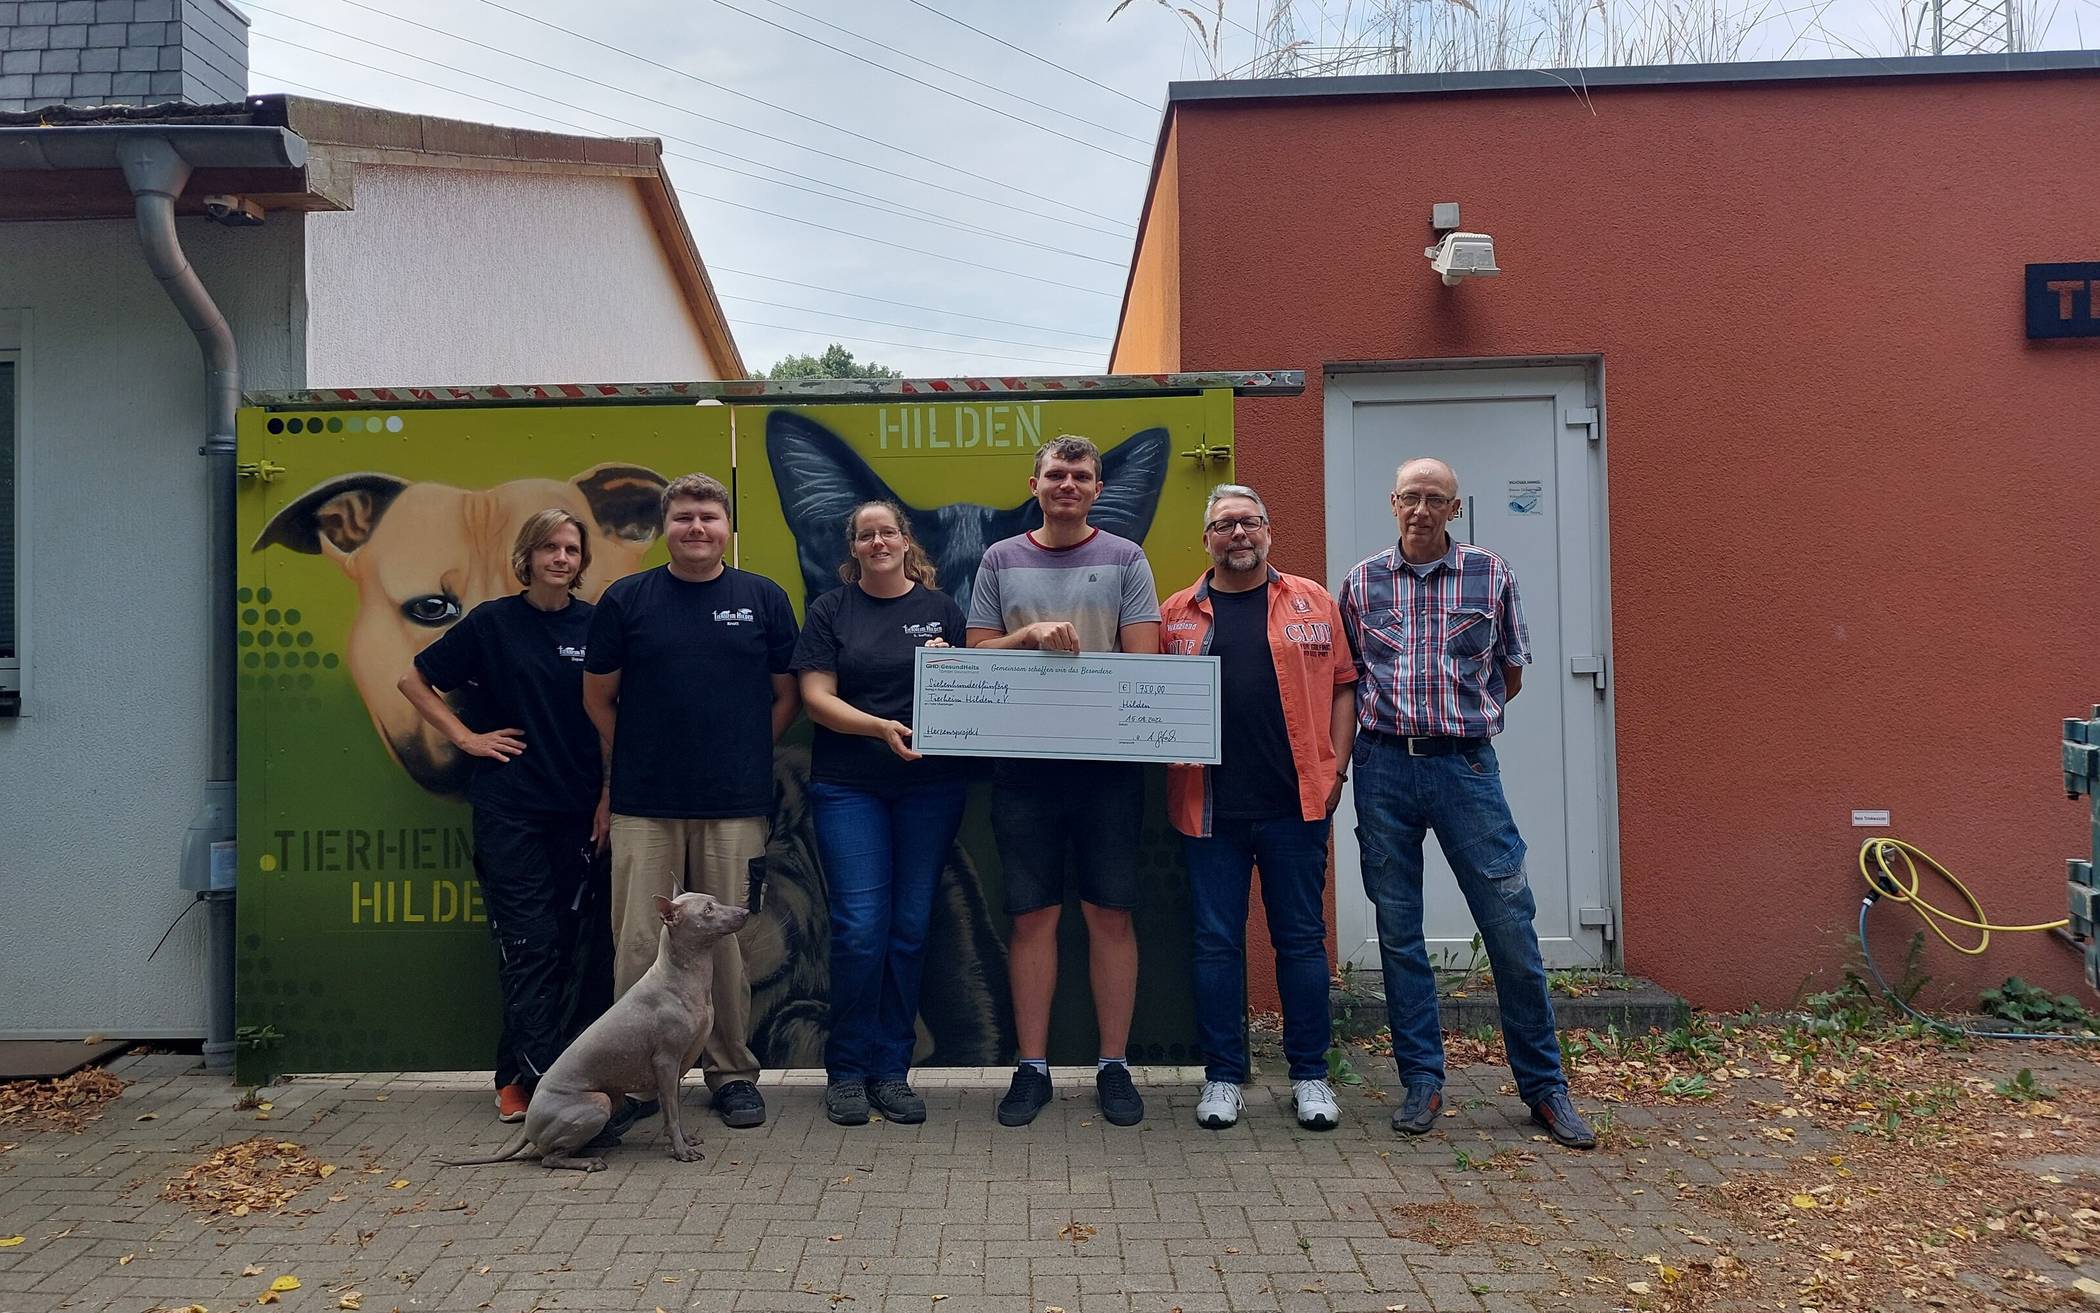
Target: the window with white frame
pixel 10 609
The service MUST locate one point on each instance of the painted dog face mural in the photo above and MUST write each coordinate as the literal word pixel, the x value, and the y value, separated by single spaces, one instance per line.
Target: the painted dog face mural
pixel 821 478
pixel 424 554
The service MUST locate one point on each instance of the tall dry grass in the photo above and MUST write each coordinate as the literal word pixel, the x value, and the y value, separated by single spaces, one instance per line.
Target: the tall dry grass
pixel 1313 38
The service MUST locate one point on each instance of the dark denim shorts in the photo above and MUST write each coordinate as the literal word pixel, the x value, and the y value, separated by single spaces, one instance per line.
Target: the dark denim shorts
pixel 1084 818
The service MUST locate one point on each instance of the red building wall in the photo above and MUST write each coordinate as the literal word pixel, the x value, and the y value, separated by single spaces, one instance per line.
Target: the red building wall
pixel 1854 513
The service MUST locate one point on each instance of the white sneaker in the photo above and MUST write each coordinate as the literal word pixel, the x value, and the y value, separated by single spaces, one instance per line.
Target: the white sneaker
pixel 1316 1106
pixel 1219 1106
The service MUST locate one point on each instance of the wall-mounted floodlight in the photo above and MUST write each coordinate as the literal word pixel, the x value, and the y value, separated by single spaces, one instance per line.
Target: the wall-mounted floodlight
pixel 1456 255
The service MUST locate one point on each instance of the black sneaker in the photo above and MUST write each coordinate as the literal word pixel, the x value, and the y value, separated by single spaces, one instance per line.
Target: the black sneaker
pixel 738 1104
pixel 1419 1112
pixel 1556 1112
pixel 846 1102
pixel 897 1101
pixel 630 1111
pixel 1025 1097
pixel 1118 1095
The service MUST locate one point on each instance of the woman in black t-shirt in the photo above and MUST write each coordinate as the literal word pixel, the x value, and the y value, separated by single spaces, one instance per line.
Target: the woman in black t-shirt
pixel 885 817
pixel 537 826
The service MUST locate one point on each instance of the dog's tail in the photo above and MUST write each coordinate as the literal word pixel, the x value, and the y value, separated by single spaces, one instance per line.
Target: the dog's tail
pixel 514 1148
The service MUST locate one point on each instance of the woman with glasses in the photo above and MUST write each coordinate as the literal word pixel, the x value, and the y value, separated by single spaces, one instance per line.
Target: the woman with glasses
pixel 885 817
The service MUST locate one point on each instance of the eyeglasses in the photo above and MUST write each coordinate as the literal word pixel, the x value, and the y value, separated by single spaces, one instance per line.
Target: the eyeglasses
pixel 879 535
pixel 1248 522
pixel 1433 501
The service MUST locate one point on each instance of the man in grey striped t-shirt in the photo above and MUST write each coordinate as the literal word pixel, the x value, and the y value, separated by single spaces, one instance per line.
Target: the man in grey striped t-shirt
pixel 1068 587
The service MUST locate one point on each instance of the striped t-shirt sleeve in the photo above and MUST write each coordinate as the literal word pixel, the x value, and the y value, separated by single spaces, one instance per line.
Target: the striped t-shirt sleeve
pixel 985 612
pixel 1140 593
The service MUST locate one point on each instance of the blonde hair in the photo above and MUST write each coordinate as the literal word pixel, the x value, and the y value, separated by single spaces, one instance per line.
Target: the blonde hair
pixel 537 531
pixel 918 566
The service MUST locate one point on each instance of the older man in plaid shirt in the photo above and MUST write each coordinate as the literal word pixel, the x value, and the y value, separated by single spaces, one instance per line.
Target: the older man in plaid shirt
pixel 1438 637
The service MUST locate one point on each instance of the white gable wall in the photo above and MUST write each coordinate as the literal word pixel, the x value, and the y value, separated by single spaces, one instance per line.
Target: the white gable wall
pixel 438 276
pixel 444 276
pixel 101 774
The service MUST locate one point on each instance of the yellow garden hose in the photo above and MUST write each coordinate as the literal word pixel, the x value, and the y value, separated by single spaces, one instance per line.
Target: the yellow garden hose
pixel 1876 868
pixel 1883 881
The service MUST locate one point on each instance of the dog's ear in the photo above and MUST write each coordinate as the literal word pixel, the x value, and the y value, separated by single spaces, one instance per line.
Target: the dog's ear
pixel 820 479
pixel 624 500
pixel 342 512
pixel 1131 477
pixel 666 909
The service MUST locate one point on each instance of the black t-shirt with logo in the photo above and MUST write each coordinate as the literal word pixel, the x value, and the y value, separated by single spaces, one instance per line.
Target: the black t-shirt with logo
pixel 1257 779
pixel 522 668
pixel 694 738
pixel 868 643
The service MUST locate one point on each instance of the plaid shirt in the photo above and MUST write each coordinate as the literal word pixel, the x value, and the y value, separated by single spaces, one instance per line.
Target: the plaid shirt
pixel 1430 649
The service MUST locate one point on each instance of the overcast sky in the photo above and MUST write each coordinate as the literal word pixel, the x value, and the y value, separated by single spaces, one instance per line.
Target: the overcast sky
pixel 977 201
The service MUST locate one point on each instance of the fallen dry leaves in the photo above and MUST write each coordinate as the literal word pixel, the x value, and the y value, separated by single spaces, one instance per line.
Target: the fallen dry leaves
pixel 1902 1175
pixel 1900 1182
pixel 66 1104
pixel 252 1176
pixel 1449 1226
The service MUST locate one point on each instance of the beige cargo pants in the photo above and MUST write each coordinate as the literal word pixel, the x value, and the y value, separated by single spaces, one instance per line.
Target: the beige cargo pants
pixel 653 855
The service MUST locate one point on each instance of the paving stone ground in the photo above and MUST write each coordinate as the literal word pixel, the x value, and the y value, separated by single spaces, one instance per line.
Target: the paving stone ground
pixel 954 1216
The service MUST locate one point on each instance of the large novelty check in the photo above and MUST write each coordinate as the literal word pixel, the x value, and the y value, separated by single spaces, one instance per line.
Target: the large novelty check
pixel 1098 706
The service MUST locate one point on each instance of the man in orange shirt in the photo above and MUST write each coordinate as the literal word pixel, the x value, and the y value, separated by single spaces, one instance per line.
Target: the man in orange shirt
pixel 1289 721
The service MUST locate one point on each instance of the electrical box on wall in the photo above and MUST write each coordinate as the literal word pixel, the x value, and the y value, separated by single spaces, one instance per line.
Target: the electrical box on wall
pixel 2081 762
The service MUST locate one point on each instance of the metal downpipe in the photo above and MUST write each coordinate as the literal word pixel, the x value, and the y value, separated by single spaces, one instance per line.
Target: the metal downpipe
pixel 157 173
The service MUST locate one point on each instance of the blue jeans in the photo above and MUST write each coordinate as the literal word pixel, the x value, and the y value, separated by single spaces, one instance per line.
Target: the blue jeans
pixel 1398 798
pixel 882 858
pixel 1292 854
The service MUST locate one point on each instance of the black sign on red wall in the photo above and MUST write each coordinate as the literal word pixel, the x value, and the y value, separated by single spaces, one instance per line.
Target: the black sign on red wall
pixel 2063 300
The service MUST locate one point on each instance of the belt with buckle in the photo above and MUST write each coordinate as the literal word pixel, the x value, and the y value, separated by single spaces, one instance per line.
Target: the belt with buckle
pixel 1427 745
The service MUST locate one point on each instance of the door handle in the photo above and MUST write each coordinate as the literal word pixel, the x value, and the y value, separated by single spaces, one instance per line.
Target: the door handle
pixel 1591 665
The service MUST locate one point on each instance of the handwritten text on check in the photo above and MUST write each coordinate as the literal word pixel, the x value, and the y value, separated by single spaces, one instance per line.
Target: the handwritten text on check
pixel 1098 706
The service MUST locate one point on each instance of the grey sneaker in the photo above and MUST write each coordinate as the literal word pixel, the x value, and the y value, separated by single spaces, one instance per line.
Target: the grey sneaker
pixel 1218 1106
pixel 1556 1112
pixel 1420 1110
pixel 740 1105
pixel 897 1101
pixel 846 1101
pixel 1317 1109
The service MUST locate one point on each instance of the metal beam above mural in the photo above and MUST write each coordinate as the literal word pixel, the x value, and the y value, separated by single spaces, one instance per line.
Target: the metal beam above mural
pixel 1249 382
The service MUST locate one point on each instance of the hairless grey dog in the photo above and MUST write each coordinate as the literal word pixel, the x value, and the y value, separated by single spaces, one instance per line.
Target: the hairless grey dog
pixel 647 1039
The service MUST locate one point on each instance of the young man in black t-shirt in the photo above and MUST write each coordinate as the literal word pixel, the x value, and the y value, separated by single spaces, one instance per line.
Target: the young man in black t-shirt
pixel 1289 714
pixel 689 664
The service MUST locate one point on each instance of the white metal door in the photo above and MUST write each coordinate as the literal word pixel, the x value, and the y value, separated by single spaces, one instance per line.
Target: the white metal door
pixel 1527 446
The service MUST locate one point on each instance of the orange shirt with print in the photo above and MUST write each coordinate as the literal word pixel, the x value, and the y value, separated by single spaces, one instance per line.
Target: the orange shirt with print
pixel 1312 660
